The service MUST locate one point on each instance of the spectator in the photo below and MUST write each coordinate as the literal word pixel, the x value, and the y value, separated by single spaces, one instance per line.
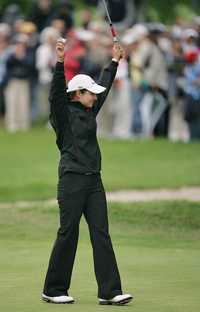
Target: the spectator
pixel 16 28
pixel 74 52
pixel 59 24
pixel 30 30
pixel 41 13
pixel 135 39
pixel 156 64
pixel 17 91
pixel 64 11
pixel 176 63
pixel 11 14
pixel 190 37
pixel 94 56
pixel 196 23
pixel 192 101
pixel 4 54
pixel 121 94
pixel 154 82
pixel 45 62
pixel 86 18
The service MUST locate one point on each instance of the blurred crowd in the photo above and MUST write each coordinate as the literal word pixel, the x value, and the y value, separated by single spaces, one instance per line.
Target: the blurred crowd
pixel 157 87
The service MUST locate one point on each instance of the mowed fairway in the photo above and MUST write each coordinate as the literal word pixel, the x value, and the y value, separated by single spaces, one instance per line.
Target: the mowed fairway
pixel 28 165
pixel 157 247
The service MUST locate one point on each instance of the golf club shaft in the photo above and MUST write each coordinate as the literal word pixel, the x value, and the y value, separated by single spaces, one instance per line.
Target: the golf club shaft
pixel 113 31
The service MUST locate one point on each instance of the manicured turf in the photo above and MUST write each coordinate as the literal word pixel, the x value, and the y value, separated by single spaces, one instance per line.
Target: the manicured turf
pixel 157 245
pixel 29 164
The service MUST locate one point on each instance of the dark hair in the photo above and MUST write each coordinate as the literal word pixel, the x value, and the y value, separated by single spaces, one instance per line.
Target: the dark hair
pixel 72 94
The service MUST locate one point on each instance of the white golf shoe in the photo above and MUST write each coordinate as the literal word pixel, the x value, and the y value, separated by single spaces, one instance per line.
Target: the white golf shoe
pixel 58 299
pixel 117 300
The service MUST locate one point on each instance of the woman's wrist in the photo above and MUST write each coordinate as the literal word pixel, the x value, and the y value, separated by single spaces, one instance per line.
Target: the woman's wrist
pixel 114 59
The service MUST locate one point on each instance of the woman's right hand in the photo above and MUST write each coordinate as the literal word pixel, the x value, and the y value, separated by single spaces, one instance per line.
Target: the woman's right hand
pixel 60 49
pixel 117 51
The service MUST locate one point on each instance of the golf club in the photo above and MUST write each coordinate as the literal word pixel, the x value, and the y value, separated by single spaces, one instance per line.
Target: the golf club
pixel 113 31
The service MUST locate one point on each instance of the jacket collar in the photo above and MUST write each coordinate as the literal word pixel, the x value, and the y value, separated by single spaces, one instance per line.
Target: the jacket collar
pixel 80 106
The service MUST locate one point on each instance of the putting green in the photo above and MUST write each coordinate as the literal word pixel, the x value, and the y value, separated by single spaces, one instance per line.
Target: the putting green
pixel 159 264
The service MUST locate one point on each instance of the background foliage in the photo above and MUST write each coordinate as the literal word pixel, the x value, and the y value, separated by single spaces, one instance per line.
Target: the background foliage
pixel 154 10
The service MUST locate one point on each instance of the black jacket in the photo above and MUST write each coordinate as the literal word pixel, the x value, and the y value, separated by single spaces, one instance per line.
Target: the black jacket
pixel 75 125
pixel 18 68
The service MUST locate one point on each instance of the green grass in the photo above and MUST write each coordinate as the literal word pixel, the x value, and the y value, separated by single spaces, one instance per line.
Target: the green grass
pixel 29 164
pixel 157 245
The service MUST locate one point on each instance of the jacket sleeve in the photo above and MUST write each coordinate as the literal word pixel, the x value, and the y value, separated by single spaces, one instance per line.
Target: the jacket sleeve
pixel 106 79
pixel 58 97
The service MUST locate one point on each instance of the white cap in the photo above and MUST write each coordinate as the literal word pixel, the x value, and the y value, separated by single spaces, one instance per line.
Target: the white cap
pixel 134 34
pixel 130 37
pixel 85 35
pixel 81 81
pixel 190 32
pixel 140 30
pixel 177 32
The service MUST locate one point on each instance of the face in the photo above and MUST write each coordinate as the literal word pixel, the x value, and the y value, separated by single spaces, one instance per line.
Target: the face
pixel 87 98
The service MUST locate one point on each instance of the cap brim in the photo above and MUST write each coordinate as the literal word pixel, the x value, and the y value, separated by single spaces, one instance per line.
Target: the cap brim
pixel 96 89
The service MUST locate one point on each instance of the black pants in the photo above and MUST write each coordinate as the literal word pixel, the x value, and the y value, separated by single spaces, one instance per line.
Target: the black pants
pixel 82 194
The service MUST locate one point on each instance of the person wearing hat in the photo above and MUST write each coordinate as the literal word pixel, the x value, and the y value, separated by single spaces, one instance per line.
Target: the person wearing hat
pixel 17 92
pixel 80 190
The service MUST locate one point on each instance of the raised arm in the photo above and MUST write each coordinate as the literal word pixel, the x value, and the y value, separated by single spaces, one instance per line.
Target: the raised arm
pixel 108 75
pixel 57 96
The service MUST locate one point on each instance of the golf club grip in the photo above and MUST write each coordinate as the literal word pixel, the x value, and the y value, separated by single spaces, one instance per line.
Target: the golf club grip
pixel 114 34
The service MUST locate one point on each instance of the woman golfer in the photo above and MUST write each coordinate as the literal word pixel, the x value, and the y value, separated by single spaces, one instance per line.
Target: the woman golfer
pixel 80 190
